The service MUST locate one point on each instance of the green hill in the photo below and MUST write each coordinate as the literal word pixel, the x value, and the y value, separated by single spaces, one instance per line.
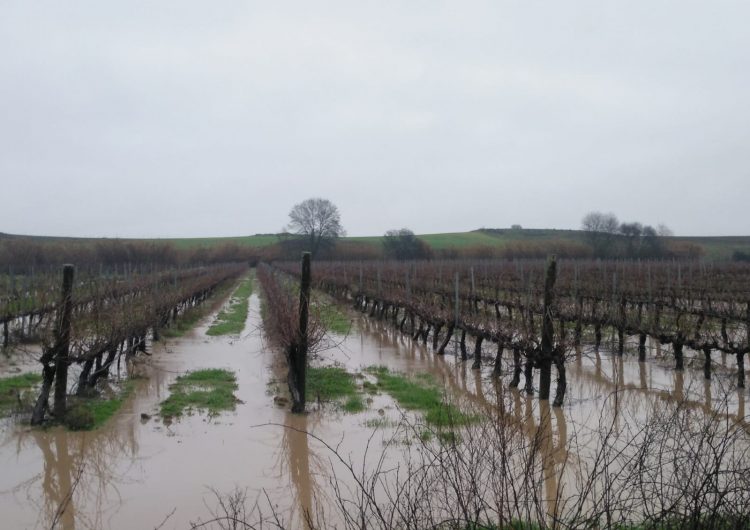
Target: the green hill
pixel 474 243
pixel 719 247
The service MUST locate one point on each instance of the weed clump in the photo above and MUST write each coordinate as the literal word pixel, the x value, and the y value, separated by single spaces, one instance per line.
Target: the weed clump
pixel 211 390
pixel 354 404
pixel 333 383
pixel 79 417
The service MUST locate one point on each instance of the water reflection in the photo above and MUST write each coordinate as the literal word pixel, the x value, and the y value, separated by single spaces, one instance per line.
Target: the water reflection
pixel 296 447
pixel 603 389
pixel 80 469
pixel 606 390
pixel 57 484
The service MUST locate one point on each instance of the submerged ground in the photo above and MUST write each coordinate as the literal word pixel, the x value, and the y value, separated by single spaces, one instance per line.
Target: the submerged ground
pixel 142 469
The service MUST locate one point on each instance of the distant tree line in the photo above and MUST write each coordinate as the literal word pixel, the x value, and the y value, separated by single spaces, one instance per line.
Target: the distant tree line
pixel 609 238
pixel 315 226
pixel 403 244
pixel 23 255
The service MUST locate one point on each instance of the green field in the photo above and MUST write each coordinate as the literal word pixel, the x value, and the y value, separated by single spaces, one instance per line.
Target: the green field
pixel 719 247
pixel 436 241
pixel 194 242
pixel 491 238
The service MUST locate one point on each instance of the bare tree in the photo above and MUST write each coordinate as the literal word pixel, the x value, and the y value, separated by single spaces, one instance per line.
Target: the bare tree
pixel 606 223
pixel 664 231
pixel 318 220
pixel 601 230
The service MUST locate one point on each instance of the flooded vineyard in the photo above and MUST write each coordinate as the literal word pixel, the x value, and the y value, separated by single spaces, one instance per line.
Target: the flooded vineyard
pixel 518 458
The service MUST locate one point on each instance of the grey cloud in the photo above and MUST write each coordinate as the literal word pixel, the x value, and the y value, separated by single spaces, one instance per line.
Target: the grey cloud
pixel 195 119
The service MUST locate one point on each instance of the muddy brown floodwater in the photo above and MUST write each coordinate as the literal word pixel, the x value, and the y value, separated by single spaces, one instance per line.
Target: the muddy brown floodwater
pixel 135 473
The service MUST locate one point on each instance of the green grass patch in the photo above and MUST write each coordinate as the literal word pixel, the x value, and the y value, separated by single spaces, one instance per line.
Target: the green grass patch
pixel 15 388
pixel 354 404
pixel 9 385
pixel 327 383
pixel 334 319
pixel 231 321
pixel 86 414
pixel 333 383
pixel 459 240
pixel 103 410
pixel 210 390
pixel 420 393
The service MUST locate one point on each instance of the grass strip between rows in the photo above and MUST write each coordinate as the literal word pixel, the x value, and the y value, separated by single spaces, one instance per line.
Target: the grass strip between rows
pixel 332 317
pixel 231 320
pixel 420 393
pixel 188 320
pixel 211 390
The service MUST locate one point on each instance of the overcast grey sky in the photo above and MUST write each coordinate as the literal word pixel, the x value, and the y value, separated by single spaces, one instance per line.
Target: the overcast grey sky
pixel 197 118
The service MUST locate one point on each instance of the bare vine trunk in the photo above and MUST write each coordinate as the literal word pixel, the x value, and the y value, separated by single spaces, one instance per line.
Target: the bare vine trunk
pixel 63 343
pixel 498 368
pixel 446 340
pixel 477 364
pixel 548 331
pixel 517 369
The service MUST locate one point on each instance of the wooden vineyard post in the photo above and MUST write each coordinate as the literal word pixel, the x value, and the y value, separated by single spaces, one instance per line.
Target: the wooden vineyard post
pixel 741 354
pixel 298 357
pixel 579 322
pixel 159 318
pixel 621 324
pixel 456 314
pixel 63 342
pixel 548 330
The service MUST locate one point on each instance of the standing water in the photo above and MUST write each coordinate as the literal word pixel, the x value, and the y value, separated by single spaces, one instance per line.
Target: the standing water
pixel 138 471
